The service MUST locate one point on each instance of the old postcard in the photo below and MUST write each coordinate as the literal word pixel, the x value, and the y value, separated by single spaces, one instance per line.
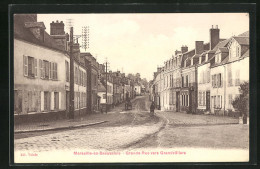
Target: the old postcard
pixel 131 87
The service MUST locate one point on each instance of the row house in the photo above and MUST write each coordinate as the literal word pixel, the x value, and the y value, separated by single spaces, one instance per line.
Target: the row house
pixel 156 88
pixel 80 83
pixel 117 88
pixel 42 71
pixel 229 68
pixel 92 74
pixel 38 60
pixel 106 96
pixel 205 79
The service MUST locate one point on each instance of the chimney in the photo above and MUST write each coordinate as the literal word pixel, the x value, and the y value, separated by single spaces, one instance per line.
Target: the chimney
pixel 199 47
pixel 37 29
pixel 214 37
pixel 57 28
pixel 184 49
pixel 58 34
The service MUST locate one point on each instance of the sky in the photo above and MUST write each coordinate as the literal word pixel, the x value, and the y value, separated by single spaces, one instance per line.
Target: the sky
pixel 138 43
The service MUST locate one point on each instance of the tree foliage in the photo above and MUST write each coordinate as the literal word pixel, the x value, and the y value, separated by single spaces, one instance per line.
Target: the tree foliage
pixel 241 103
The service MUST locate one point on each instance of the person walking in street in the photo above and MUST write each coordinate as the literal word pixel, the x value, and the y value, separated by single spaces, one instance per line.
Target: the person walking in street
pixel 152 107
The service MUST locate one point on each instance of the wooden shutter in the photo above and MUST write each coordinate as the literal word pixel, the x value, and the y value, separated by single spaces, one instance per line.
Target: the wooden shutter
pixel 35 68
pixel 55 71
pixel 41 71
pixel 51 69
pixel 25 65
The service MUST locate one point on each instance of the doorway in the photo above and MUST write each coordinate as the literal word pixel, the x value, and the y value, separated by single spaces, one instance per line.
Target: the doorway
pixel 207 100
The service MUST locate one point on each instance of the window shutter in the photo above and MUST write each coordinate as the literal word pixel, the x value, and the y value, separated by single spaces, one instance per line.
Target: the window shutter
pixel 40 65
pixel 25 63
pixel 56 71
pixel 35 66
pixel 51 69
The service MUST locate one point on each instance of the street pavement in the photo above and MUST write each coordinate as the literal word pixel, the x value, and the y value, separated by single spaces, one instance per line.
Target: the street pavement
pixel 198 131
pixel 136 129
pixel 122 129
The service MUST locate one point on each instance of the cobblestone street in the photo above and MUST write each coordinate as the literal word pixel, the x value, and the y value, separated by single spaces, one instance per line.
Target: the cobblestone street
pixel 123 129
pixel 136 129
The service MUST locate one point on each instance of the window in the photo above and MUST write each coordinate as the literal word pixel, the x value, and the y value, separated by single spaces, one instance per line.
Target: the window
pixel 30 66
pixel 46 69
pixel 55 71
pixel 182 78
pixel 104 96
pixel 56 100
pixel 67 71
pixel 237 82
pixel 187 80
pixel 47 101
pixel 219 80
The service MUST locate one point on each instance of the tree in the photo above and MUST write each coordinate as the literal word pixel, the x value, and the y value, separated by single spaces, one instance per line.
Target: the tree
pixel 241 103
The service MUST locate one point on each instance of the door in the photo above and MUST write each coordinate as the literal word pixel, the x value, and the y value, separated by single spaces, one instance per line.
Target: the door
pixel 177 101
pixel 207 100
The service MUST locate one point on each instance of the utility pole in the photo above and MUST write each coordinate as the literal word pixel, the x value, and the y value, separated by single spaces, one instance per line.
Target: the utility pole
pixel 71 112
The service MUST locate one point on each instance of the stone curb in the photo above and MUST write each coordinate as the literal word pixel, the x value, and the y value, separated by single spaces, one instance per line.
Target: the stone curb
pixel 59 128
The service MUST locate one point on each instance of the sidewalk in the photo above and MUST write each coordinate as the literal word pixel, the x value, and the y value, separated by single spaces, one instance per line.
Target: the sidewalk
pixel 87 120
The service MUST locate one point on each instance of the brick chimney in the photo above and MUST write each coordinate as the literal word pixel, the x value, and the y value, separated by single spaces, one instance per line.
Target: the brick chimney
pixel 214 36
pixel 57 28
pixel 184 49
pixel 58 34
pixel 199 47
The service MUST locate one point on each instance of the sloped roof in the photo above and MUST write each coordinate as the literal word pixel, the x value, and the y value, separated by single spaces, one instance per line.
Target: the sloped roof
pixel 223 49
pixel 246 54
pixel 221 63
pixel 242 40
pixel 245 34
pixel 222 43
pixel 23 33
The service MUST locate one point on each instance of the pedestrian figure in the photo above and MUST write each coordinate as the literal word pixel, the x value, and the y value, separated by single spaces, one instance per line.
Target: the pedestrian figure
pixel 152 107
